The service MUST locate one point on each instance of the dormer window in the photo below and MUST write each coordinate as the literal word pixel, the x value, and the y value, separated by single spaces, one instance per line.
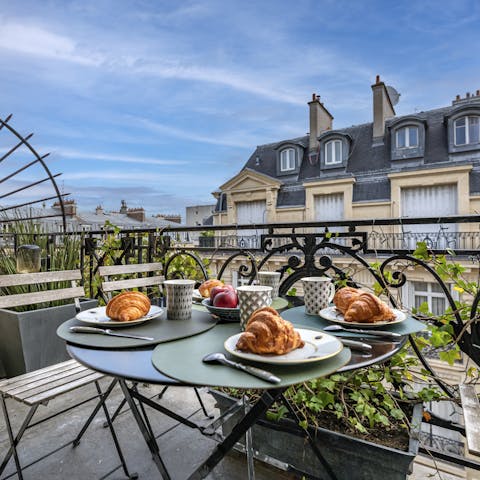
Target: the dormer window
pixel 333 152
pixel 467 130
pixel 287 160
pixel 289 156
pixel 334 149
pixel 407 137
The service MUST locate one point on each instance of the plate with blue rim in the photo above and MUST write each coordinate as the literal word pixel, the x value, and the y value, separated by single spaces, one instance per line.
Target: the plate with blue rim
pixel 333 315
pixel 318 346
pixel 98 316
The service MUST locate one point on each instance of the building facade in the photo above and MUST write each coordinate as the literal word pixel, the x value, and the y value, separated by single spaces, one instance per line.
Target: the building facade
pixel 382 169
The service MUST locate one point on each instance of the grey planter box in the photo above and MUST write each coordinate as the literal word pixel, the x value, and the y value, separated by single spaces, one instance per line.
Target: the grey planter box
pixel 28 340
pixel 349 457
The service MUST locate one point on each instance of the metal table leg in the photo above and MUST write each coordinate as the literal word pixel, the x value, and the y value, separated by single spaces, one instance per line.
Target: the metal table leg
pixel 149 438
pixel 263 404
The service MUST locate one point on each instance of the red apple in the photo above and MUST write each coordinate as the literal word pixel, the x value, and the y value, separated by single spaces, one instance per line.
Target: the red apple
pixel 219 289
pixel 226 299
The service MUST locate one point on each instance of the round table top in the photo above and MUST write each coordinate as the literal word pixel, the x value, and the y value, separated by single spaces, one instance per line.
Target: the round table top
pixel 136 364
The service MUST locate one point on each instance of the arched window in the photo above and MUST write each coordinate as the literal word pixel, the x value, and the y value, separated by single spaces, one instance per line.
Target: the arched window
pixel 467 130
pixel 333 152
pixel 287 160
pixel 407 137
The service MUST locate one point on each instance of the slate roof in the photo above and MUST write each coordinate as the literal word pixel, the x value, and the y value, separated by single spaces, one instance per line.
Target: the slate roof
pixel 94 221
pixel 369 164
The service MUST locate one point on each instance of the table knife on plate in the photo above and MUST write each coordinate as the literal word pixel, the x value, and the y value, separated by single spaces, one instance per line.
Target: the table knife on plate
pixel 101 331
pixel 377 333
pixel 355 345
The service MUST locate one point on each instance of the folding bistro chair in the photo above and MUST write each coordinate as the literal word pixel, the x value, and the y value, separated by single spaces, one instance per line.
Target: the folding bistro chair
pixel 138 280
pixel 39 387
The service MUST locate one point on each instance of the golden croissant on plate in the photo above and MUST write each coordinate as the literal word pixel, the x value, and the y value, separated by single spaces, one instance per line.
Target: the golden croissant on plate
pixel 128 306
pixel 363 307
pixel 267 332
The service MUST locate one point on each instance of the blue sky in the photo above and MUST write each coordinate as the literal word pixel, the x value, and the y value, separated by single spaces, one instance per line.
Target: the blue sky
pixel 160 102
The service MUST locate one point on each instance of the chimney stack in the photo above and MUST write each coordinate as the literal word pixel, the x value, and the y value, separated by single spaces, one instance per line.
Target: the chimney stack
pixel 320 121
pixel 382 108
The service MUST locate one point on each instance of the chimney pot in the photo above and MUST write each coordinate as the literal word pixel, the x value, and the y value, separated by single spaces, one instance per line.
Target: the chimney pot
pixel 457 97
pixel 382 109
pixel 468 95
pixel 478 93
pixel 320 121
pixel 377 79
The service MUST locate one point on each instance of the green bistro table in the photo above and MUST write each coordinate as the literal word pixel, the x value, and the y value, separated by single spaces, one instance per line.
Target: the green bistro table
pixel 179 363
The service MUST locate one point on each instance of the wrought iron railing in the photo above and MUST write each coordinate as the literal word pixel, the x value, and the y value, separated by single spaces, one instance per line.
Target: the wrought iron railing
pixel 381 250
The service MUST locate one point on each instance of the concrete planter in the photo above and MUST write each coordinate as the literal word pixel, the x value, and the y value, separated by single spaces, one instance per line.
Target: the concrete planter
pixel 28 340
pixel 348 456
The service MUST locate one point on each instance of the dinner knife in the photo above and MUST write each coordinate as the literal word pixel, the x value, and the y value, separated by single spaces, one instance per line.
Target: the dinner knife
pixel 101 331
pixel 376 333
pixel 354 345
pixel 257 372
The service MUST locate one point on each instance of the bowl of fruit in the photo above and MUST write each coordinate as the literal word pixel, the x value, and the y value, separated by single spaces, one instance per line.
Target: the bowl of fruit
pixel 223 303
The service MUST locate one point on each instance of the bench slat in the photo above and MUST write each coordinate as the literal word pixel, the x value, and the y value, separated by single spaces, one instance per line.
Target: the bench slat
pixel 49 386
pixel 131 268
pixel 45 382
pixel 39 277
pixel 471 415
pixel 32 376
pixel 48 395
pixel 40 297
pixel 131 283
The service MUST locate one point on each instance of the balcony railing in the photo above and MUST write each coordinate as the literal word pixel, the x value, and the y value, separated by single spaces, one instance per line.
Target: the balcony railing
pixel 336 249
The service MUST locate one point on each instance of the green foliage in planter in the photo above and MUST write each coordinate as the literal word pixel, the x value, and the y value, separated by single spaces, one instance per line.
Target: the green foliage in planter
pixel 63 252
pixel 111 252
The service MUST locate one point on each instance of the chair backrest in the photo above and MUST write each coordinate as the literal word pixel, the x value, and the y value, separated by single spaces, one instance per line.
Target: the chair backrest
pixel 51 293
pixel 135 270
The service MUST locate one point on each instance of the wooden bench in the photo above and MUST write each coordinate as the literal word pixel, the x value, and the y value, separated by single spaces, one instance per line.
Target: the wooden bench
pixel 471 416
pixel 40 386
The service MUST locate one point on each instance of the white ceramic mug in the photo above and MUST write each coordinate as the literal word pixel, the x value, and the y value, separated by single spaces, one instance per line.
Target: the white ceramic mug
pixel 318 293
pixel 270 279
pixel 251 298
pixel 179 299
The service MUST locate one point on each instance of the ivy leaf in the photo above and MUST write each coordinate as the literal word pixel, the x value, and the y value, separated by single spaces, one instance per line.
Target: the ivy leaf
pixel 450 356
pixel 421 251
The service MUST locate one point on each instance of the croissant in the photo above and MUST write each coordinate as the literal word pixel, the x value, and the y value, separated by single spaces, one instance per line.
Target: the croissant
pixel 128 306
pixel 363 307
pixel 344 297
pixel 267 332
pixel 207 285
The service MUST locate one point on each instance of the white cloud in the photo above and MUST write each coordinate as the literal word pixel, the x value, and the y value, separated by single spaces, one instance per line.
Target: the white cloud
pixel 238 139
pixel 106 157
pixel 31 39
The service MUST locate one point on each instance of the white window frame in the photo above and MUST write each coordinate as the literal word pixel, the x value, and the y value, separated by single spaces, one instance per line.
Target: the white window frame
pixel 333 160
pixel 287 160
pixel 407 137
pixel 467 129
pixel 411 292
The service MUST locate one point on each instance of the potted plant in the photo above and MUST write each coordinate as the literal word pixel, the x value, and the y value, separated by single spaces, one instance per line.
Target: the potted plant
pixel 28 339
pixel 359 421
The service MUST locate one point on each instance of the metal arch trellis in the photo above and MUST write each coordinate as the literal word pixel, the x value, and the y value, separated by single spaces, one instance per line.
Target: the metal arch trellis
pixel 24 141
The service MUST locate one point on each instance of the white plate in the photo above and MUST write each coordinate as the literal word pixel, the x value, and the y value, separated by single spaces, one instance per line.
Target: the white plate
pixel 97 316
pixel 333 315
pixel 314 349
